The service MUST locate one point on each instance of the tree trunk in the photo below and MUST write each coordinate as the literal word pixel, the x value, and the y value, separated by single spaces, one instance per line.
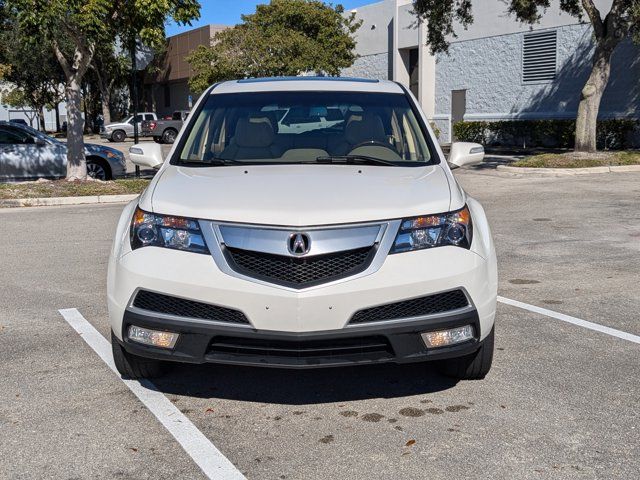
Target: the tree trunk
pixel 76 161
pixel 586 122
pixel 57 108
pixel 43 125
pixel 106 110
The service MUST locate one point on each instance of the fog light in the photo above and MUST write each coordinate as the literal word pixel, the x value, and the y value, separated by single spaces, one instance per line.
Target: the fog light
pixel 152 337
pixel 442 338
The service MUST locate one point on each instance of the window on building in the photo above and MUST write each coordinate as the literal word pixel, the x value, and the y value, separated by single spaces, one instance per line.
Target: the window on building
pixel 539 56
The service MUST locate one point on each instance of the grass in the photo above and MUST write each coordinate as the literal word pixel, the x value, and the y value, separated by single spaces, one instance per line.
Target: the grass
pixel 579 160
pixel 63 188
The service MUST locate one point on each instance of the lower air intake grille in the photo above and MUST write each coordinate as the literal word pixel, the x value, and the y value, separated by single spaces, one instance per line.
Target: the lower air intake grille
pixel 299 272
pixel 159 303
pixel 300 348
pixel 416 307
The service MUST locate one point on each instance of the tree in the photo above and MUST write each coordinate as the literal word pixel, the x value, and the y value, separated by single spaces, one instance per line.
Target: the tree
pixel 111 67
pixel 35 72
pixel 284 37
pixel 85 24
pixel 608 31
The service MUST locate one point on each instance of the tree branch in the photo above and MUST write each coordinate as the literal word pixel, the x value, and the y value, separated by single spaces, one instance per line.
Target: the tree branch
pixel 62 60
pixel 594 17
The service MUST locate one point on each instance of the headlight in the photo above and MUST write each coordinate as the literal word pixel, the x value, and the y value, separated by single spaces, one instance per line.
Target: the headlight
pixel 453 228
pixel 151 230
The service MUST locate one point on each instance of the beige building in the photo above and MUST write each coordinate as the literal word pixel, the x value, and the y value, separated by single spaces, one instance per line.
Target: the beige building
pixel 168 89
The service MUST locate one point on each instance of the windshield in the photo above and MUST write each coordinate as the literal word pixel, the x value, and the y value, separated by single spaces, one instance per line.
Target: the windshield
pixel 303 127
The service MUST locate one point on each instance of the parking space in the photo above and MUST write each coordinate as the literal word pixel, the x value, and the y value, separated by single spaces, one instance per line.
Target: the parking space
pixel 560 402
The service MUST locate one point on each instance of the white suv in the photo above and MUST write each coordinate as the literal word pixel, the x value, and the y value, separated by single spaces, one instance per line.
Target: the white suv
pixel 346 241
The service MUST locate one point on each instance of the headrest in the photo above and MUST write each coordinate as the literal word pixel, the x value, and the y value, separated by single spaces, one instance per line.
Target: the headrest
pixel 254 132
pixel 363 127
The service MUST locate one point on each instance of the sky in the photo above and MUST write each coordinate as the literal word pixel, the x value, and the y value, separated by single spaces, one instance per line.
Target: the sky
pixel 227 12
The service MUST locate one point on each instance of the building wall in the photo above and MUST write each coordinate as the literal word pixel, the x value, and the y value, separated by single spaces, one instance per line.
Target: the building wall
pixel 175 71
pixel 490 70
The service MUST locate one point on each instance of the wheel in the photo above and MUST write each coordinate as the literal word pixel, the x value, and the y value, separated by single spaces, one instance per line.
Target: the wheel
pixel 97 170
pixel 132 366
pixel 169 135
pixel 471 367
pixel 118 136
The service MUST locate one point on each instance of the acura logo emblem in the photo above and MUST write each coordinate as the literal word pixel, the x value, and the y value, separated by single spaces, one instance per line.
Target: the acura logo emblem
pixel 299 244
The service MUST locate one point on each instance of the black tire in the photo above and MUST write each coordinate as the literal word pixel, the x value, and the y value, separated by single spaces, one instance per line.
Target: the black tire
pixel 98 169
pixel 118 136
pixel 132 366
pixel 471 367
pixel 169 135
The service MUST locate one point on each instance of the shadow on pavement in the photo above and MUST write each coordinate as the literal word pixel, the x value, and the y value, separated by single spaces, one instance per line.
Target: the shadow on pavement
pixel 303 387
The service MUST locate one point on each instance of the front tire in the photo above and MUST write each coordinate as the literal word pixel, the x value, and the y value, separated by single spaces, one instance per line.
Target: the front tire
pixel 471 367
pixel 132 366
pixel 97 170
pixel 118 136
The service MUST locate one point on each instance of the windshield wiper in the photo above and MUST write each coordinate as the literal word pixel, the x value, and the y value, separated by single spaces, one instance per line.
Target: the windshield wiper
pixel 213 162
pixel 355 160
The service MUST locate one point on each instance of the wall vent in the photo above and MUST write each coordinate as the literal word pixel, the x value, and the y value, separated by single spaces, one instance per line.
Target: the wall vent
pixel 539 56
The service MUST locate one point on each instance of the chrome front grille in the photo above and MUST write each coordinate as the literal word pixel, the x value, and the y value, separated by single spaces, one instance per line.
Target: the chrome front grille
pixel 299 257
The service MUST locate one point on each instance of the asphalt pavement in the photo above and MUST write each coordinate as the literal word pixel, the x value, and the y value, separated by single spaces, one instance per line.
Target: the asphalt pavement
pixel 561 402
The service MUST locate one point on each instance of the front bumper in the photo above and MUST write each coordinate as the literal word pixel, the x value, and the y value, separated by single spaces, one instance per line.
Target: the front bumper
pixel 388 343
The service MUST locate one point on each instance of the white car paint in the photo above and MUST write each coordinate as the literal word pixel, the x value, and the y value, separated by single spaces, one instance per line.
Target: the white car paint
pixel 304 196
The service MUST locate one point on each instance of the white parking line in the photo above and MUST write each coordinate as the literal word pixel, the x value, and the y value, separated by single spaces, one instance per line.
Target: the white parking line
pixel 210 460
pixel 576 321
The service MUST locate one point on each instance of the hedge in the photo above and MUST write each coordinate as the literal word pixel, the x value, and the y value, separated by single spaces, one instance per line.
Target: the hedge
pixel 612 134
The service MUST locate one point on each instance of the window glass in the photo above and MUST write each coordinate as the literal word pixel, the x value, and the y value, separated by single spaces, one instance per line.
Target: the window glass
pixel 12 136
pixel 289 127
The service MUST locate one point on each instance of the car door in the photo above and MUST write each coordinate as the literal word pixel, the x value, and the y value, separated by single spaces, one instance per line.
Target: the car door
pixel 18 153
pixel 24 155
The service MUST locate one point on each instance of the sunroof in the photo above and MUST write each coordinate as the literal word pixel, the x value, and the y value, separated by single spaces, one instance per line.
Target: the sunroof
pixel 289 79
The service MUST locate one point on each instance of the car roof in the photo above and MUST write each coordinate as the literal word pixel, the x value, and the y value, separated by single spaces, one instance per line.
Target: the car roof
pixel 328 84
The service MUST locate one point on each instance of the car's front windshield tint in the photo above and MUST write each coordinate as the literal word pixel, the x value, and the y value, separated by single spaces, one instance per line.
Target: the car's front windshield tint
pixel 294 127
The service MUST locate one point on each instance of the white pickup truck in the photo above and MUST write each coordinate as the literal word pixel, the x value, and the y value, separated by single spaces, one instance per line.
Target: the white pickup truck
pixel 119 131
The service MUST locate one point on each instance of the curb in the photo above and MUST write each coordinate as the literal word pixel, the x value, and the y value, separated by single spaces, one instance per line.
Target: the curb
pixel 56 201
pixel 569 171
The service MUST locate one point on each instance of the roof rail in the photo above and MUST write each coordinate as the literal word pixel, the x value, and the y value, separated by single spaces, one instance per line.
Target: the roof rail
pixel 296 79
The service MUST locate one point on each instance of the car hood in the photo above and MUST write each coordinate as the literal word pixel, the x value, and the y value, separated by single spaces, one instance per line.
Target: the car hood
pixel 119 125
pixel 298 195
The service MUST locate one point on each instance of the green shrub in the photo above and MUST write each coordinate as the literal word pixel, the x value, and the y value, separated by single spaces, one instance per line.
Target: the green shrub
pixel 612 134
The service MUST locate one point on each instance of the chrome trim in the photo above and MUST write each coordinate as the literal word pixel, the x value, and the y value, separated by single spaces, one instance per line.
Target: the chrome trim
pixel 166 316
pixel 386 234
pixel 322 241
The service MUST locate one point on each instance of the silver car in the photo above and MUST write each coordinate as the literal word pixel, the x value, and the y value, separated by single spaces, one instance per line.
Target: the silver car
pixel 26 153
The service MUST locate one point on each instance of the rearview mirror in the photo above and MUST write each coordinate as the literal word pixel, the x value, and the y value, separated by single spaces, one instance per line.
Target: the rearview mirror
pixel 146 154
pixel 465 153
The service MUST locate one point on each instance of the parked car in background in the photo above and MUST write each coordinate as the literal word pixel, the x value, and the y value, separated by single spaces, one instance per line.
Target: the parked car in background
pixel 343 239
pixel 26 153
pixel 165 131
pixel 119 131
pixel 19 121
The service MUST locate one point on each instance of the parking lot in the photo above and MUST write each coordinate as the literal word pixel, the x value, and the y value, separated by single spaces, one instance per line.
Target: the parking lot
pixel 562 399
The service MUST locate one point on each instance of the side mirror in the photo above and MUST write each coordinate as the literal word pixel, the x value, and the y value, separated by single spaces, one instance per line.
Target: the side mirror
pixel 146 154
pixel 40 142
pixel 465 153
